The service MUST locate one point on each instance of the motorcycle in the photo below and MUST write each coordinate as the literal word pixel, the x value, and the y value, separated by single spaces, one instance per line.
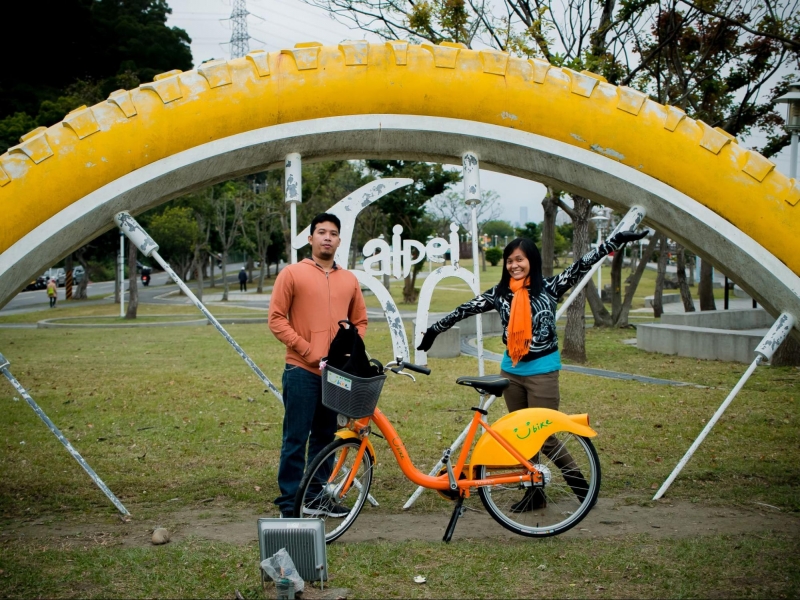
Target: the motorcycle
pixel 146 276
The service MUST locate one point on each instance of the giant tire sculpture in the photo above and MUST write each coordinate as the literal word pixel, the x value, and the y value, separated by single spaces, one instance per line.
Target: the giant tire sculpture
pixel 61 185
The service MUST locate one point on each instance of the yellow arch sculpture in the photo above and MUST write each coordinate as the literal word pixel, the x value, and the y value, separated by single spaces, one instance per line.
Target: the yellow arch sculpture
pixel 54 172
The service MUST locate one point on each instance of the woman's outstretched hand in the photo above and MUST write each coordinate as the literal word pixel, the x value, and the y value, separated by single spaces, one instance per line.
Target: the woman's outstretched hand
pixel 623 237
pixel 427 340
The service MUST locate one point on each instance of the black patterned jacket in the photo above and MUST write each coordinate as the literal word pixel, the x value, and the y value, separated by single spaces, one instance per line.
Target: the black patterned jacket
pixel 543 307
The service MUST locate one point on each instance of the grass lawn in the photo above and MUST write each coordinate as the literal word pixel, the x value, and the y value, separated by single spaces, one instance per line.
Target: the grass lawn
pixel 172 417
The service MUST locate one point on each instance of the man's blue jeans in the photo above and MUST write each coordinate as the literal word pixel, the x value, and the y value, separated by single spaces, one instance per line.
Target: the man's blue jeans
pixel 305 422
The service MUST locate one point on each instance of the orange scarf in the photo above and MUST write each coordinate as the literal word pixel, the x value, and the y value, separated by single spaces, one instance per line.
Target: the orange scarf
pixel 519 323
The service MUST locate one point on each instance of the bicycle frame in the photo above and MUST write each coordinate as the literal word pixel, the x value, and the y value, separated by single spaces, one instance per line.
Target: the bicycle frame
pixel 441 482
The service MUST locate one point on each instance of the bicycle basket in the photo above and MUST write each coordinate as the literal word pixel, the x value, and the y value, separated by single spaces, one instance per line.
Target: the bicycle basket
pixel 348 395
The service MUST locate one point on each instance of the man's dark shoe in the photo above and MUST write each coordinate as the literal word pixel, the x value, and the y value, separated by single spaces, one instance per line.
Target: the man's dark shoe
pixel 324 506
pixel 532 500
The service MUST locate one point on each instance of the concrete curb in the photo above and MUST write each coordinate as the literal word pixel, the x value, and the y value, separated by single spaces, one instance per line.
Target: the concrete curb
pixel 58 322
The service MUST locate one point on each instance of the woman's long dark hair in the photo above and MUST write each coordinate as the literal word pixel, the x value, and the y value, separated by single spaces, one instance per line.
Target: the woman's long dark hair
pixel 531 252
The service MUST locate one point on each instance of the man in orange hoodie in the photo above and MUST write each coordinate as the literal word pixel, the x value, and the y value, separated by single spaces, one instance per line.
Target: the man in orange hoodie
pixel 308 301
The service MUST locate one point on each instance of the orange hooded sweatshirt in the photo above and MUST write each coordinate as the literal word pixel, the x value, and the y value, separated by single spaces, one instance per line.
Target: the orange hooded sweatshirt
pixel 306 307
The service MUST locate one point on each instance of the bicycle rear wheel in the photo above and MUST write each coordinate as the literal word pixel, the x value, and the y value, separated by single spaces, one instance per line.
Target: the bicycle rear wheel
pixel 571 472
pixel 321 494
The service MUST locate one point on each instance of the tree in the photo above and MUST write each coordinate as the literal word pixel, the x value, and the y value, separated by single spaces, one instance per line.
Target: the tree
pixel 549 253
pixel 175 230
pixel 532 231
pixel 575 334
pixel 229 202
pixel 501 229
pixel 686 294
pixel 133 288
pixel 263 221
pixel 103 45
pixel 663 256
pixel 406 206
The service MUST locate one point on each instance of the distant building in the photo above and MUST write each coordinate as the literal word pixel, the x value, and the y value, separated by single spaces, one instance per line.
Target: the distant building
pixel 523 215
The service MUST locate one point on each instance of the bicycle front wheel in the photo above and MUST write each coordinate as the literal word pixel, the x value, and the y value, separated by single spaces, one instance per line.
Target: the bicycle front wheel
pixel 571 472
pixel 324 492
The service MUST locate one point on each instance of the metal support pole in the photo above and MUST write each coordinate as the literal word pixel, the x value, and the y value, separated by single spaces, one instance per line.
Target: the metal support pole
pixel 793 156
pixel 293 192
pixel 725 302
pixel 56 432
pixel 764 352
pixel 121 274
pixel 149 248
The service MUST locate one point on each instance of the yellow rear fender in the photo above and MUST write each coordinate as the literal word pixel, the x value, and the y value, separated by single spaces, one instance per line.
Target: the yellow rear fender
pixel 526 430
pixel 346 434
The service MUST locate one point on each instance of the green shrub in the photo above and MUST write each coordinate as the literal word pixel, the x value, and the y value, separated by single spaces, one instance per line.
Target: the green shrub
pixel 494 255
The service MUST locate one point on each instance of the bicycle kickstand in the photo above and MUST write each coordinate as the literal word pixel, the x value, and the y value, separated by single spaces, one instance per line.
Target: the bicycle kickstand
pixel 451 526
pixel 458 510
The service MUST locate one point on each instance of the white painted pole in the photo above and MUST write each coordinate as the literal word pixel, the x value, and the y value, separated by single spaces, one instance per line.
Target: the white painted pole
pixel 148 247
pixel 764 352
pixel 121 274
pixel 293 192
pixel 60 436
pixel 472 198
pixel 793 156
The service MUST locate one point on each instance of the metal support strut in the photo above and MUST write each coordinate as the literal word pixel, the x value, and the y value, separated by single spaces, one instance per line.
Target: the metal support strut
pixel 57 432
pixel 764 352
pixel 131 228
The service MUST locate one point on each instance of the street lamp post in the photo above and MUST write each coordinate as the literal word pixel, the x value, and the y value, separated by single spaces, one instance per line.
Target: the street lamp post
pixel 792 98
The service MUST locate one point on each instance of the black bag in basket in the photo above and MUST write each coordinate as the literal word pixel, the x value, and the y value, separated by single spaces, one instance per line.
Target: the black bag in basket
pixel 348 353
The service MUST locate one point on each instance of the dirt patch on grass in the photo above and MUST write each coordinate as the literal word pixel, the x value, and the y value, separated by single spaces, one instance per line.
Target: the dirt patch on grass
pixel 609 518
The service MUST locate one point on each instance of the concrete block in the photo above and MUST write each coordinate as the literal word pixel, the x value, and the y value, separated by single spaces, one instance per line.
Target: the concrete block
pixel 665 299
pixel 738 319
pixel 446 345
pixel 700 342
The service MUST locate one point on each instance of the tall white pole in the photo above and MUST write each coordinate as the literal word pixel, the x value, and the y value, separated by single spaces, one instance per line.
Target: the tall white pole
pixel 793 156
pixel 472 198
pixel 121 274
pixel 293 192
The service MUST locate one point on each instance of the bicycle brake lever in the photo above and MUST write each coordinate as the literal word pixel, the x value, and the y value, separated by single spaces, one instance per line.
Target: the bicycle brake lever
pixel 399 372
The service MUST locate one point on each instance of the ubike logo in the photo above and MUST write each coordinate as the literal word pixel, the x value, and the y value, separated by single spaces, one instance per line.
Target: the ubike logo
pixel 382 259
pixel 399 447
pixel 532 429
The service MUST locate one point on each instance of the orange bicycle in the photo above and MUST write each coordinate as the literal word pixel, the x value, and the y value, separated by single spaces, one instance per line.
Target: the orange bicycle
pixel 536 471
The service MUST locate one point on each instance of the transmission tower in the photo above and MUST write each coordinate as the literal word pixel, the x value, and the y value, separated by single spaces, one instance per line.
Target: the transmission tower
pixel 240 40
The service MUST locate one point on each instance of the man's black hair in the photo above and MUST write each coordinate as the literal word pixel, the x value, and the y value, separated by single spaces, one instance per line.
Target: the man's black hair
pixel 325 218
pixel 531 252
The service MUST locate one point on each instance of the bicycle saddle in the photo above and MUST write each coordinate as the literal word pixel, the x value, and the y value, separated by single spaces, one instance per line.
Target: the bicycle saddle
pixel 490 384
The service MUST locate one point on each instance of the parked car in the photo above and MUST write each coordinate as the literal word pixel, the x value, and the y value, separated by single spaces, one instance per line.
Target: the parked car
pixel 77 274
pixel 39 283
pixel 54 273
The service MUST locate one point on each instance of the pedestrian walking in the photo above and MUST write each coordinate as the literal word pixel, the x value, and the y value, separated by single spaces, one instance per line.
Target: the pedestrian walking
pixel 52 292
pixel 242 280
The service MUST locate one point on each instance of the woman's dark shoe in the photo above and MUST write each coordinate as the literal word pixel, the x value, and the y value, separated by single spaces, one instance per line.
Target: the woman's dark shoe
pixel 532 500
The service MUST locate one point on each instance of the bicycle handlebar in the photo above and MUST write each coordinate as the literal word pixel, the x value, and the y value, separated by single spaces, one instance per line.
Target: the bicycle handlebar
pixel 415 368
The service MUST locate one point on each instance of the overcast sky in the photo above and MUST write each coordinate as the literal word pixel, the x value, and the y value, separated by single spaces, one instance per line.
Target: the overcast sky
pixel 277 24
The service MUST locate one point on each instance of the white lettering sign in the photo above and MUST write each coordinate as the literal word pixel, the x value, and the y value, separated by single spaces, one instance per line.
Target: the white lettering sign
pixel 382 259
